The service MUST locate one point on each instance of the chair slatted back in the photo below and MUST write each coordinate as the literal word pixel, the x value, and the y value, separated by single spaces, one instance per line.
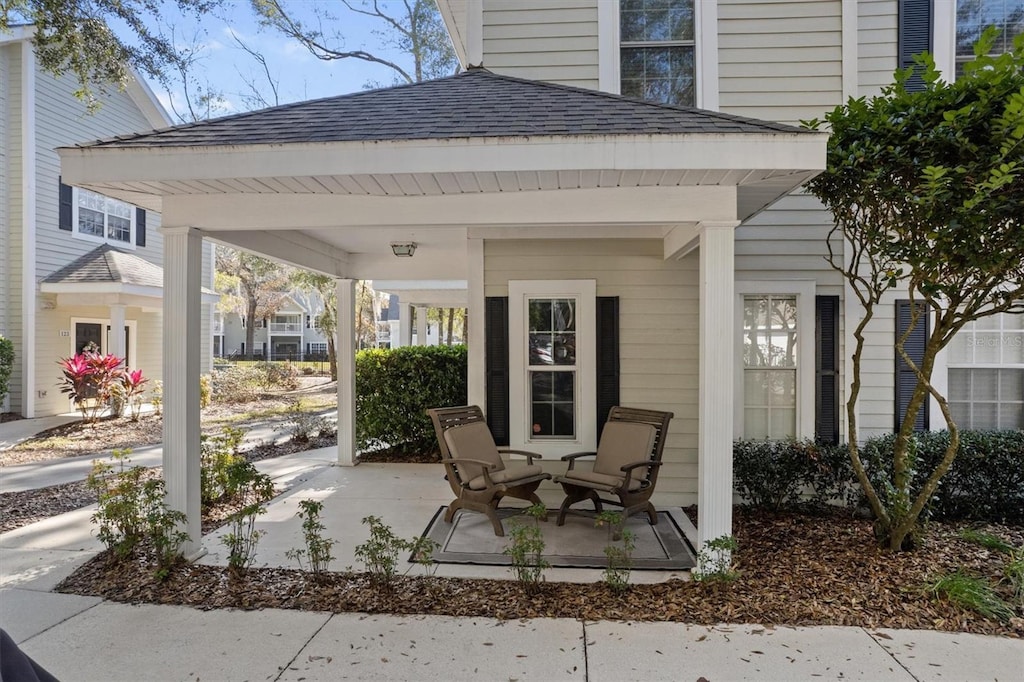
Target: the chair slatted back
pixel 445 418
pixel 659 420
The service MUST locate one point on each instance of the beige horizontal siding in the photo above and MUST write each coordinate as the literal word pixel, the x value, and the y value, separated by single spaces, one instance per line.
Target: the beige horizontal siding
pixel 658 349
pixel 877 26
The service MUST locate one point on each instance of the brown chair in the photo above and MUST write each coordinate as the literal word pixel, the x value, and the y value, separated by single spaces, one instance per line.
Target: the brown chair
pixel 626 464
pixel 475 471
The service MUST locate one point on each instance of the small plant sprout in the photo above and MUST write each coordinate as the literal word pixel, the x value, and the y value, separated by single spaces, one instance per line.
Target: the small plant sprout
pixel 620 557
pixel 318 548
pixel 715 560
pixel 251 491
pixel 379 554
pixel 526 549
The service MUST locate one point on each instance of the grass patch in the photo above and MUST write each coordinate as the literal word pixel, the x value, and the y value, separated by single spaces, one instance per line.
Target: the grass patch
pixel 311 404
pixel 50 443
pixel 971 593
pixel 1014 573
pixel 986 540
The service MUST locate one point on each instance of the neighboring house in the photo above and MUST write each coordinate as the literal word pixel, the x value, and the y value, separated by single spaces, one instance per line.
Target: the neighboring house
pixel 613 251
pixel 74 264
pixel 292 333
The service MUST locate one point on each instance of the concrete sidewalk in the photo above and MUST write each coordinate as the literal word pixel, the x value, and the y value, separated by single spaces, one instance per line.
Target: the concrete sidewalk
pixel 80 638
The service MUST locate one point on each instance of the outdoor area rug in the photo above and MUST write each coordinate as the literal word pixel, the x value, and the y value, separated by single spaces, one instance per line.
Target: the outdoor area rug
pixel 470 539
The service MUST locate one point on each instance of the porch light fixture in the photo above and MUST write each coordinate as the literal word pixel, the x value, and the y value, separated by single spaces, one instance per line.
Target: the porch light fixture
pixel 403 249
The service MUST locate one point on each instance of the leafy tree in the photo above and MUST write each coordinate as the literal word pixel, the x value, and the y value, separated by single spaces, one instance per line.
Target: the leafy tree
pixel 262 287
pixel 6 365
pixel 324 287
pixel 73 36
pixel 413 27
pixel 927 194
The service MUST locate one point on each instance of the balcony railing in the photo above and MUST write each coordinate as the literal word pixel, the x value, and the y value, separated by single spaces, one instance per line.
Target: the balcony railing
pixel 286 327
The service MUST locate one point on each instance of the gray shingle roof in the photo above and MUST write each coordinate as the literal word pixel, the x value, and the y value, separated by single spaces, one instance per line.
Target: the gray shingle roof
pixel 108 264
pixel 473 104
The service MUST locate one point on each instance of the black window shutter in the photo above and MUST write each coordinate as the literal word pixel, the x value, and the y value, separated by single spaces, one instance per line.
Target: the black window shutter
pixel 906 380
pixel 140 227
pixel 826 369
pixel 607 358
pixel 66 198
pixel 496 347
pixel 915 36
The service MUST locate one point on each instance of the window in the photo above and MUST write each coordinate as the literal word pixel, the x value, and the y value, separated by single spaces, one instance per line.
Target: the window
pixel 101 218
pixel 986 374
pixel 775 359
pixel 552 365
pixel 657 50
pixel 769 366
pixel 974 16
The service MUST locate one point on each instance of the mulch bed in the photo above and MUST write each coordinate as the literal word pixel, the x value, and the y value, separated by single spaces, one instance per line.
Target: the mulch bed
pixel 794 570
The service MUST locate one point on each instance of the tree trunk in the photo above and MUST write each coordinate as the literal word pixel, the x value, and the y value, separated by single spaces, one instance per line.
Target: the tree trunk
pixel 332 357
pixel 250 329
pixel 451 323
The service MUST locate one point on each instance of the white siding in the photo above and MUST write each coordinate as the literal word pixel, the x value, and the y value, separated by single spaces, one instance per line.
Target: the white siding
pixel 876 51
pixel 780 60
pixel 658 329
pixel 542 40
pixel 4 172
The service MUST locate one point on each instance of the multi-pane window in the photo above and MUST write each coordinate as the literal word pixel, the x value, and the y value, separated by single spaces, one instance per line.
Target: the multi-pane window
pixel 769 366
pixel 974 16
pixel 104 218
pixel 657 53
pixel 552 367
pixel 986 374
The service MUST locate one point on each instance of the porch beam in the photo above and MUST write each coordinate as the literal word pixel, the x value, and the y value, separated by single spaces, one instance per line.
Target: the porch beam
pixel 293 248
pixel 183 254
pixel 404 323
pixel 714 463
pixel 346 351
pixel 681 240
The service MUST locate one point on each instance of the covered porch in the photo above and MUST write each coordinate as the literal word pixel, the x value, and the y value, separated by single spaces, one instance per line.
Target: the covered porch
pixel 466 167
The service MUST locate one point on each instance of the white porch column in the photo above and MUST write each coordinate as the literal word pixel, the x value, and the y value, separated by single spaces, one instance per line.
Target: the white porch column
pixel 714 465
pixel 116 345
pixel 476 377
pixel 404 324
pixel 183 252
pixel 346 347
pixel 421 325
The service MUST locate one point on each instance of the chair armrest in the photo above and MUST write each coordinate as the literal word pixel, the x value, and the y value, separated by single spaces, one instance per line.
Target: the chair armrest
pixel 530 456
pixel 634 465
pixel 487 467
pixel 571 459
pixel 466 460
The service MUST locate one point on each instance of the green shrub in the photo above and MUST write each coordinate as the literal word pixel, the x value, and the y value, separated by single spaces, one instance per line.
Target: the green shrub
pixel 318 548
pixel 971 592
pixel 237 384
pixel 985 483
pixel 716 560
pixel 6 365
pixel 395 387
pixel 283 375
pixel 302 425
pixel 773 474
pixel 526 549
pixel 251 491
pixel 205 391
pixel 216 454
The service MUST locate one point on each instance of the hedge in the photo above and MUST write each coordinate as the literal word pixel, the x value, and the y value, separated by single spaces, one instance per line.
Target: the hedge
pixel 6 365
pixel 395 387
pixel 985 483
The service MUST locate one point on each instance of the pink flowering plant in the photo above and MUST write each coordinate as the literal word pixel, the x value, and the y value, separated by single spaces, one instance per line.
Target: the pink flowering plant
pixel 91 379
pixel 133 388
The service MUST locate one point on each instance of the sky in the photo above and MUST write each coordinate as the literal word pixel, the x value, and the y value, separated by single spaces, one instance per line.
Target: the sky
pixel 226 67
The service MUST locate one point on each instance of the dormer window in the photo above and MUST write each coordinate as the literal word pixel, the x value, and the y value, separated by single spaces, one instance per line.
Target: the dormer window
pixel 657 51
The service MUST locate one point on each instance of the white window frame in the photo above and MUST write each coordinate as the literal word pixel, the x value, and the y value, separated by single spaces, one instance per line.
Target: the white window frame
pixel 944 362
pixel 105 239
pixel 705 41
pixel 584 291
pixel 804 291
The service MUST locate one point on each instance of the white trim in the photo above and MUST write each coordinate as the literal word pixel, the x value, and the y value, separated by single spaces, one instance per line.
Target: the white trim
pixel 28 230
pixel 346 345
pixel 804 290
pixel 105 239
pixel 585 293
pixel 133 333
pixel 850 40
pixel 17 34
pixel 454 34
pixel 144 98
pixel 706 25
pixel 476 343
pixel 944 38
pixel 608 54
pixel 474 33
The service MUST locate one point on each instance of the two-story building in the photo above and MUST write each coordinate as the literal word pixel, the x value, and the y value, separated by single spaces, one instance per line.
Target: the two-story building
pixel 74 264
pixel 618 183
